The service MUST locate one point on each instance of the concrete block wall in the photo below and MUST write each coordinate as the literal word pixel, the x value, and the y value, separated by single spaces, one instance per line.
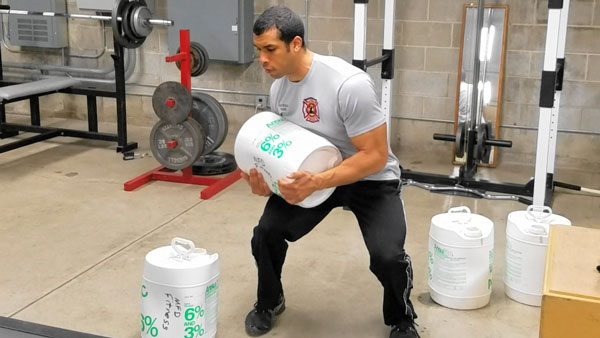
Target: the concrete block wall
pixel 427 41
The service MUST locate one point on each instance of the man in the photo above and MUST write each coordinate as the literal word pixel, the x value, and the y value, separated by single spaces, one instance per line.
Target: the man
pixel 336 100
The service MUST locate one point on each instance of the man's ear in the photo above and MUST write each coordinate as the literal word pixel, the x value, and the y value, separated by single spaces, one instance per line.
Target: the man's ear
pixel 296 44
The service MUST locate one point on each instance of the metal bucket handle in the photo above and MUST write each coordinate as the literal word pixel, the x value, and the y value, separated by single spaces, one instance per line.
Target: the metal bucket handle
pixel 185 247
pixel 538 213
pixel 463 219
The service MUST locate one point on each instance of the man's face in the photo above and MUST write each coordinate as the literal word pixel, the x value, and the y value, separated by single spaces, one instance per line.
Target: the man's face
pixel 274 54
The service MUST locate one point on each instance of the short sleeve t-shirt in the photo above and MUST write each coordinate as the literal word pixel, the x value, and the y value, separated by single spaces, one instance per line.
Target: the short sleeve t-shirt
pixel 336 101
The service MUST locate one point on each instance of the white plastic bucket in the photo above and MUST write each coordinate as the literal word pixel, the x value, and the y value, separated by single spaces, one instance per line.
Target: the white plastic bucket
pixel 526 245
pixel 180 292
pixel 277 147
pixel 461 252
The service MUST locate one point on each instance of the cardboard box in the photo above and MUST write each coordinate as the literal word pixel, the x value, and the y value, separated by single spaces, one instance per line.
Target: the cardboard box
pixel 571 294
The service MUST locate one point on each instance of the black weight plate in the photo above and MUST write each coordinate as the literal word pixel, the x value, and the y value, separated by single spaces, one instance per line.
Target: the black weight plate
pixel 485 157
pixel 119 34
pixel 202 57
pixel 172 90
pixel 459 143
pixel 116 24
pixel 199 59
pixel 480 147
pixel 127 24
pixel 189 143
pixel 216 163
pixel 213 118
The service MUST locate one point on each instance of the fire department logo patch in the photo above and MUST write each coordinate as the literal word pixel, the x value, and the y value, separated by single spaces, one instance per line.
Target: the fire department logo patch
pixel 310 110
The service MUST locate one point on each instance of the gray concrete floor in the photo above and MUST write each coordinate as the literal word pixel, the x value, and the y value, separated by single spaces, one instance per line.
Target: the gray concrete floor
pixel 73 242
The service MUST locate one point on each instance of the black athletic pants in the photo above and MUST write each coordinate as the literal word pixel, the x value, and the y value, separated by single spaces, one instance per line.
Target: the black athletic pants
pixel 380 212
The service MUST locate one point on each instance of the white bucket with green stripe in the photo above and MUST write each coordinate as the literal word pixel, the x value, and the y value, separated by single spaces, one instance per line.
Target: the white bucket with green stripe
pixel 180 292
pixel 277 147
pixel 461 252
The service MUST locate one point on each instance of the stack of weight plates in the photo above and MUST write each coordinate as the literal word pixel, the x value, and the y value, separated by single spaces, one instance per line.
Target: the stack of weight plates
pixel 191 127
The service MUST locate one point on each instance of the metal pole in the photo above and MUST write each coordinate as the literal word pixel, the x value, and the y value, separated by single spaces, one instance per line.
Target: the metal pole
pixel 159 22
pixel 476 66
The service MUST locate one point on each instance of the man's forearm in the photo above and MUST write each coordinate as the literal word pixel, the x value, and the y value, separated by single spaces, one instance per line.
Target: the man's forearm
pixel 352 169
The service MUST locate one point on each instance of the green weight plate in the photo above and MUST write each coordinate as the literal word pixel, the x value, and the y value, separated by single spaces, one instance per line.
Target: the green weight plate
pixel 172 102
pixel 176 146
pixel 213 118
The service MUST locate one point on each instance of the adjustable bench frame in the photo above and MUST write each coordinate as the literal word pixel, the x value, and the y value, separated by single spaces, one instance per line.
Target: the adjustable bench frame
pixel 45 133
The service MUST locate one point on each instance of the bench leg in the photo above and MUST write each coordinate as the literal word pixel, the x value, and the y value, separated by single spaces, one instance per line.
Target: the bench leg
pixel 2 113
pixel 123 146
pixel 5 133
pixel 34 108
pixel 92 113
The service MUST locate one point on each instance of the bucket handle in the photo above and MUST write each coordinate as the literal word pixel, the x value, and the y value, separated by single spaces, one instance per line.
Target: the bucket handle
pixel 459 209
pixel 465 217
pixel 538 212
pixel 184 247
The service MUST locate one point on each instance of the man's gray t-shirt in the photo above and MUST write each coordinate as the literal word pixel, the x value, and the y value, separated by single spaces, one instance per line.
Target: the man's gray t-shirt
pixel 336 101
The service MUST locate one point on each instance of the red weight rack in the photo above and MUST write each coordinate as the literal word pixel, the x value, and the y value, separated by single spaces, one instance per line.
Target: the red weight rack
pixel 214 184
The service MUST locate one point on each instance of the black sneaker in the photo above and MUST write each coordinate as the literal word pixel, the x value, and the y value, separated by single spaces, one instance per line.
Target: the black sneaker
pixel 259 322
pixel 404 330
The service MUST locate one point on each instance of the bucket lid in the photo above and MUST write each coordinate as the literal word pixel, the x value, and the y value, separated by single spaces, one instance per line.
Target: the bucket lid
pixel 533 225
pixel 460 227
pixel 180 264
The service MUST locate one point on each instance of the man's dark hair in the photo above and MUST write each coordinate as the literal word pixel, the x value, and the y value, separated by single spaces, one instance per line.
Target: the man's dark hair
pixel 287 22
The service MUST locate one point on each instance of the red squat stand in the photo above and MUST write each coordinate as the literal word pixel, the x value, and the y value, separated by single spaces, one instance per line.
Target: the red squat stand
pixel 214 184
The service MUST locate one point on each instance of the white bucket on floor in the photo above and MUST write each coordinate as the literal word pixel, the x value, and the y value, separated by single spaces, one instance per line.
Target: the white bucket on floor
pixel 461 252
pixel 526 245
pixel 180 292
pixel 277 147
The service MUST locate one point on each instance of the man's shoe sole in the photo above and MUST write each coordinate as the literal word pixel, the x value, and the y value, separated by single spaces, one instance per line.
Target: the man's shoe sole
pixel 253 331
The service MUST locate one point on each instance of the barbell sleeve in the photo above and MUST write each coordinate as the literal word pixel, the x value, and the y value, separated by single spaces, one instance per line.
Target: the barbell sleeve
pixel 444 137
pixel 498 143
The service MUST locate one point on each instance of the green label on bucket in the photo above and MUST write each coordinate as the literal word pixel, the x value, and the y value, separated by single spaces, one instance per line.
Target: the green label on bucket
pixel 211 289
pixel 275 123
pixel 194 331
pixel 440 251
pixel 275 188
pixel 193 312
pixel 273 146
pixel 193 328
pixel 148 325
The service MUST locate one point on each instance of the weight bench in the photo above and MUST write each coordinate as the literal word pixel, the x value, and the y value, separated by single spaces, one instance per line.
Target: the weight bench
pixel 13 92
pixel 39 87
pixel 15 328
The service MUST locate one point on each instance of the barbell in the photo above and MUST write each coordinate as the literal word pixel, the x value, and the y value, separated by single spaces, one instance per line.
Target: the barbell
pixel 482 143
pixel 131 20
